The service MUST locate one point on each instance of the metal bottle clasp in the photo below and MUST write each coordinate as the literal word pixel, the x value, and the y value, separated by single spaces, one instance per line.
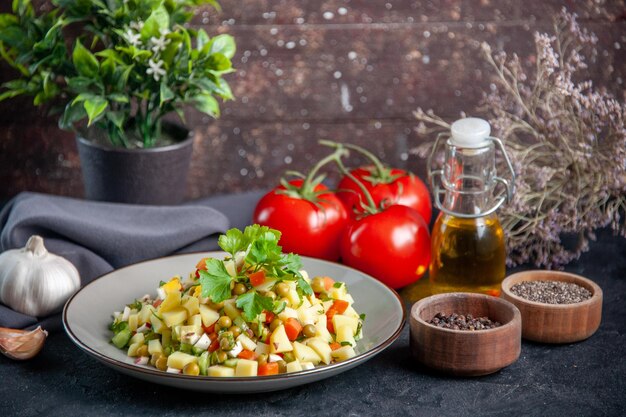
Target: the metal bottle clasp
pixel 505 195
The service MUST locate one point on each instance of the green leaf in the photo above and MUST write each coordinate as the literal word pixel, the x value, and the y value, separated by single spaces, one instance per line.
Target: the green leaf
pixel 201 39
pixel 159 20
pixel 118 97
pixel 78 84
pixel 304 286
pixel 232 242
pixel 94 108
pixel 117 118
pixel 292 262
pixel 215 281
pixel 253 304
pixel 85 62
pixel 223 44
pixel 218 62
pixel 207 104
pixel 166 93
pixel 73 113
pixel 265 249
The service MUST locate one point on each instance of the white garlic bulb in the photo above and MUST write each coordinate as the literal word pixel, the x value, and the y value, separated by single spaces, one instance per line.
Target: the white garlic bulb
pixel 34 281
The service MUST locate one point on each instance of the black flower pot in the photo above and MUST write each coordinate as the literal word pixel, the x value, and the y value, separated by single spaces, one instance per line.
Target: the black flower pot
pixel 155 176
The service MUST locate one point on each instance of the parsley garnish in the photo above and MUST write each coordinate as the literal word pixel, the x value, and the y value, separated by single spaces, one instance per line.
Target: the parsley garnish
pixel 253 304
pixel 215 281
pixel 337 284
pixel 346 343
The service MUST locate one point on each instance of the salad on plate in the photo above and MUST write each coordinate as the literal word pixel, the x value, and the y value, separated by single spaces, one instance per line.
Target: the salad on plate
pixel 254 313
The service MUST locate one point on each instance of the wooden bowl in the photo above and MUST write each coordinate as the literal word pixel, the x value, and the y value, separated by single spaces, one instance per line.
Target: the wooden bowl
pixel 556 323
pixel 463 352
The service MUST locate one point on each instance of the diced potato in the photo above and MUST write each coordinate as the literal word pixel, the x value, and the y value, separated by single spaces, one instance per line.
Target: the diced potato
pixel 178 360
pixel 322 348
pixel 279 342
pixel 246 342
pixel 195 320
pixel 172 301
pixel 338 293
pixel 191 304
pixel 220 370
pixel 314 300
pixel 145 313
pixel 132 349
pixel 327 304
pixel 351 312
pixel 154 346
pixel 137 338
pixel 190 334
pixel 294 299
pixel 262 348
pixel 322 329
pixel 231 309
pixel 157 325
pixel 340 320
pixel 176 332
pixel 246 367
pixel 173 317
pixel 132 322
pixel 345 334
pixel 173 285
pixel 230 267
pixel 209 316
pixel 287 313
pixel 166 337
pixel 343 353
pixel 307 365
pixel 305 354
pixel 294 366
pixel 310 314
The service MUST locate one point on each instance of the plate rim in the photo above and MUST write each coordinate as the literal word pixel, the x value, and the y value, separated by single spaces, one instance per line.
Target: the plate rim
pixel 233 380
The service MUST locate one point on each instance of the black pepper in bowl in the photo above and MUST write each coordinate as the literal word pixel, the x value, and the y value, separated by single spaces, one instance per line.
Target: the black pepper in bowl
pixel 551 292
pixel 456 321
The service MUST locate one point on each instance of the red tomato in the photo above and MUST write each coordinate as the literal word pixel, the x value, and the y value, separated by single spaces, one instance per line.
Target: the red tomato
pixel 404 189
pixel 393 246
pixel 310 229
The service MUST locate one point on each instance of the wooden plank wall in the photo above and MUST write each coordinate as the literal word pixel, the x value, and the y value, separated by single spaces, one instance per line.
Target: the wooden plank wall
pixel 325 69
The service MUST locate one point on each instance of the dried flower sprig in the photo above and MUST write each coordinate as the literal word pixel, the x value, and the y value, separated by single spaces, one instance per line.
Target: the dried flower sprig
pixel 567 142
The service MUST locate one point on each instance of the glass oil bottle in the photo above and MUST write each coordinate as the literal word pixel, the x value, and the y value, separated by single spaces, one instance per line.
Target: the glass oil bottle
pixel 468 247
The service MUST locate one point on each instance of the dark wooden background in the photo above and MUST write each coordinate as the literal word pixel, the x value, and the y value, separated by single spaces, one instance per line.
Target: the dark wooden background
pixel 344 70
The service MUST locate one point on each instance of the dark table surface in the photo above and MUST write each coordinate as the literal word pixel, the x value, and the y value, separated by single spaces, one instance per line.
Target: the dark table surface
pixel 581 379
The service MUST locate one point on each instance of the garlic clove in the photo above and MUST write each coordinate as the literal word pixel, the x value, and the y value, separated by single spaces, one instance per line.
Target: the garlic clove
pixel 21 344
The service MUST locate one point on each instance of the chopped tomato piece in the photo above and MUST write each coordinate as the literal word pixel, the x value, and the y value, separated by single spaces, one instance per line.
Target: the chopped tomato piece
pixel 328 283
pixel 269 316
pixel 335 346
pixel 157 303
pixel 270 368
pixel 257 278
pixel 340 306
pixel 210 329
pixel 329 325
pixel 246 354
pixel 202 264
pixel 214 345
pixel 212 336
pixel 292 328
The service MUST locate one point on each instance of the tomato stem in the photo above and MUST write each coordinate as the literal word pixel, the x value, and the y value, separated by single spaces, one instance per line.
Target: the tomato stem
pixel 382 174
pixel 370 207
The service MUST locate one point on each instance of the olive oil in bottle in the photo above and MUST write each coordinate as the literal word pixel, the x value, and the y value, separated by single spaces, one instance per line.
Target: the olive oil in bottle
pixel 468 248
pixel 469 255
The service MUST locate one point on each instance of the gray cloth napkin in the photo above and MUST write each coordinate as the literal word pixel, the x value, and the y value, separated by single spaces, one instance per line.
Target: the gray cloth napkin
pixel 99 237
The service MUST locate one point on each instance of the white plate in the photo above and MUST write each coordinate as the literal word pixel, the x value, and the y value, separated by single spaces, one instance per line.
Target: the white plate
pixel 87 315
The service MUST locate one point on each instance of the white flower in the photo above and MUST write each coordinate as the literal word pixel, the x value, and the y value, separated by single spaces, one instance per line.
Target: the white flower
pixel 138 25
pixel 159 44
pixel 156 69
pixel 133 38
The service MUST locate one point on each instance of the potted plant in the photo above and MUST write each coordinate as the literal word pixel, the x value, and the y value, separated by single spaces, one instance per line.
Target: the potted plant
pixel 113 70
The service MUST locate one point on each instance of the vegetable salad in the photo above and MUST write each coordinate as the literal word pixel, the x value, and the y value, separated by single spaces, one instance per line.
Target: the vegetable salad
pixel 253 313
